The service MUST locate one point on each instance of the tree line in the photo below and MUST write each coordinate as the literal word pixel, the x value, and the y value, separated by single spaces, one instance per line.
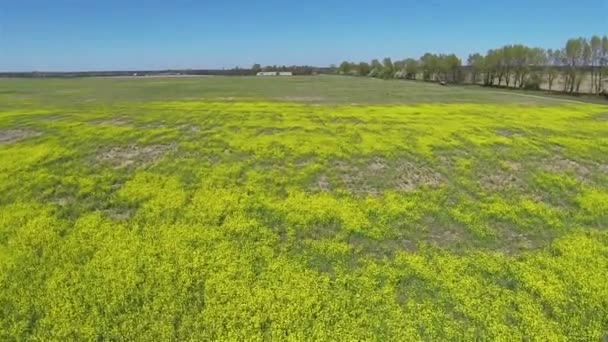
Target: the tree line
pixel 517 66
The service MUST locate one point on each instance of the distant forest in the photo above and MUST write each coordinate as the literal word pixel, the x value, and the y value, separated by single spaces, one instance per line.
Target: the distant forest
pixel 580 66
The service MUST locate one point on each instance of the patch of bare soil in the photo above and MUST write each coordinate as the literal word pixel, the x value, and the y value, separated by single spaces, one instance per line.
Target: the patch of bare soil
pixel 377 164
pixel 353 178
pixel 445 238
pixel 119 214
pixel 322 184
pixel 153 125
pixel 51 118
pixel 602 117
pixel 113 122
pixel 559 164
pixel 14 135
pixel 513 242
pixel 378 175
pixel 303 98
pixel 134 155
pixel 509 133
pixel 516 241
pixel 508 177
pixel 269 131
pixel 64 201
pixel 304 162
pixel 189 128
pixel 500 181
pixel 447 159
pixel 513 166
pixel 412 176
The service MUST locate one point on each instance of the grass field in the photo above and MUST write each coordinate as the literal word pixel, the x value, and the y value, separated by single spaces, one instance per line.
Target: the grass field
pixel 324 208
pixel 319 89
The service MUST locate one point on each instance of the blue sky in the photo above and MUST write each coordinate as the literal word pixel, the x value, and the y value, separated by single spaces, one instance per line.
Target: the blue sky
pixel 64 35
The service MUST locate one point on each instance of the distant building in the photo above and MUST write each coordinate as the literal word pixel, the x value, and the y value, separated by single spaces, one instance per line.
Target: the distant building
pixel 275 73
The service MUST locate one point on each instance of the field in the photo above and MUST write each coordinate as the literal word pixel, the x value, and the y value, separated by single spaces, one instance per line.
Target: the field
pixel 313 208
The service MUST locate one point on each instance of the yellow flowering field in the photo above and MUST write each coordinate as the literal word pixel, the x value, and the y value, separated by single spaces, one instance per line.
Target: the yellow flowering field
pixel 274 220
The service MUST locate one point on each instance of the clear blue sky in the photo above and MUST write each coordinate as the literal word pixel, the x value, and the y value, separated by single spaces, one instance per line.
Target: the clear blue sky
pixel 130 34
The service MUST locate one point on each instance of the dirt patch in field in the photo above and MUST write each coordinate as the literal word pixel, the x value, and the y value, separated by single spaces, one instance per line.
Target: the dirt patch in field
pixel 413 176
pixel 377 175
pixel 52 118
pixel 304 162
pixel 377 165
pixel 509 133
pixel 445 238
pixel 353 178
pixel 513 166
pixel 514 242
pixel 500 181
pixel 14 135
pixel 119 214
pixel 113 122
pixel 270 131
pixel 153 125
pixel 559 164
pixel 303 98
pixel 64 201
pixel 189 128
pixel 322 184
pixel 447 159
pixel 509 176
pixel 134 155
pixel 601 117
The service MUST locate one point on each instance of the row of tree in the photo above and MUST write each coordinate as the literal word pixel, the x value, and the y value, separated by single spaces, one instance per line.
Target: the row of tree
pixel 431 67
pixel 516 66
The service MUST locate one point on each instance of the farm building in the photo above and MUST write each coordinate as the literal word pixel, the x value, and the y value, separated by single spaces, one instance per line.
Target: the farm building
pixel 275 73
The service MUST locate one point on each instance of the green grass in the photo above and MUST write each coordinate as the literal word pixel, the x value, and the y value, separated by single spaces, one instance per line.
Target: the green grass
pixel 313 89
pixel 218 209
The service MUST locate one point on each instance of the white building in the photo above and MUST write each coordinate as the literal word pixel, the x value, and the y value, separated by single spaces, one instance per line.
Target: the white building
pixel 267 73
pixel 275 73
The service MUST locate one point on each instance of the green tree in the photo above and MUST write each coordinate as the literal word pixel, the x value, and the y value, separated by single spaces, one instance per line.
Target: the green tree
pixel 430 66
pixel 452 66
pixel 363 69
pixel 411 68
pixel 399 69
pixel 376 70
pixel 491 66
pixel 573 54
pixel 387 68
pixel 344 68
pixel 603 63
pixel 551 68
pixel 596 54
pixel 476 64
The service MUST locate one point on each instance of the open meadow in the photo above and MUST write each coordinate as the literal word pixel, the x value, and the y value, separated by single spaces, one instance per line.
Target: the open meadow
pixel 304 208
